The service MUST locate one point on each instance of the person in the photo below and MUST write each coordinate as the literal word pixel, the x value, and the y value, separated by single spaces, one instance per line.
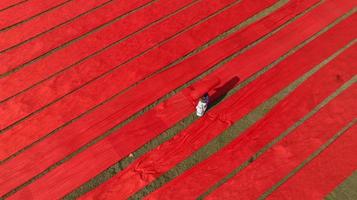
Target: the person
pixel 202 105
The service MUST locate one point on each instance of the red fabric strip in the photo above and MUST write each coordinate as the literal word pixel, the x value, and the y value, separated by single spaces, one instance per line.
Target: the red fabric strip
pixel 28 102
pixel 325 172
pixel 287 154
pixel 7 3
pixel 73 78
pixel 72 134
pixel 45 22
pixel 69 107
pixel 201 177
pixel 10 59
pixel 22 12
pixel 158 161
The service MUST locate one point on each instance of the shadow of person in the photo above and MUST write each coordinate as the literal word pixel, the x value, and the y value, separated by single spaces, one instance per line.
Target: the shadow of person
pixel 221 92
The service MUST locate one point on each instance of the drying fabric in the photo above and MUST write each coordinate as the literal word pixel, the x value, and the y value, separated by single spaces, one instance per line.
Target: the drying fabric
pixel 163 158
pixel 73 78
pixel 83 49
pixel 201 177
pixel 86 71
pixel 22 12
pixel 325 172
pixel 7 4
pixel 70 107
pixel 287 154
pixel 31 50
pixel 45 22
pixel 131 186
pixel 79 133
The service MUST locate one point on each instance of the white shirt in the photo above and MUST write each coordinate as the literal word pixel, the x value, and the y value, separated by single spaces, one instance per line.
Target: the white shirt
pixel 201 108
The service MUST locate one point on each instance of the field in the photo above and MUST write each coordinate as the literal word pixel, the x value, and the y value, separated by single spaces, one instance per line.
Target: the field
pixel 98 97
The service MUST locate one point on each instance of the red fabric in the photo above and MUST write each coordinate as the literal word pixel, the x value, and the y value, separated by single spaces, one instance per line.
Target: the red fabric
pixel 201 177
pixel 79 133
pixel 287 154
pixel 8 3
pixel 70 80
pixel 22 12
pixel 10 59
pixel 319 177
pixel 69 107
pixel 206 85
pixel 45 22
pixel 158 161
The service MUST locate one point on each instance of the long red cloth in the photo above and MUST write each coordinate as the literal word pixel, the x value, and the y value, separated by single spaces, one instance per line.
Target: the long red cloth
pixel 32 100
pixel 79 133
pixel 201 177
pixel 9 3
pixel 325 172
pixel 46 22
pixel 22 12
pixel 69 107
pixel 79 74
pixel 287 154
pixel 10 60
pixel 158 161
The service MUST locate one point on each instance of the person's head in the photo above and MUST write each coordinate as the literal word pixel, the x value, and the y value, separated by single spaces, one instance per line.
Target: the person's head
pixel 204 98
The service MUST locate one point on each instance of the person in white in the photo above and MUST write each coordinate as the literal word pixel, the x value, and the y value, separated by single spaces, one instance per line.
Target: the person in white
pixel 202 105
